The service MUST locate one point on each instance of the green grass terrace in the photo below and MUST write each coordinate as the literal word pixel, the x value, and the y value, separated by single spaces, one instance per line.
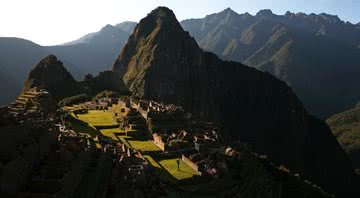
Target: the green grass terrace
pixel 101 122
pixel 142 145
pixel 98 118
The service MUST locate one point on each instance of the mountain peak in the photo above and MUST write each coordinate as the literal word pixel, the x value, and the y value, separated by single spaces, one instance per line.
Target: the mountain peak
pixel 159 17
pixel 229 10
pixel 158 31
pixel 50 59
pixel 107 27
pixel 330 18
pixel 163 12
pixel 288 14
pixel 51 75
pixel 265 12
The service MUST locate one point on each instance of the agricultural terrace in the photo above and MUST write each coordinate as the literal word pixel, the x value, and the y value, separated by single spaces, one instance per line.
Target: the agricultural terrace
pixel 94 119
pixel 98 118
pixel 142 145
pixel 184 171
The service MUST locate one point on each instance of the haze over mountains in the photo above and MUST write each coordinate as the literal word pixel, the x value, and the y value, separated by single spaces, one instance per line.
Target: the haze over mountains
pixel 92 53
pixel 317 55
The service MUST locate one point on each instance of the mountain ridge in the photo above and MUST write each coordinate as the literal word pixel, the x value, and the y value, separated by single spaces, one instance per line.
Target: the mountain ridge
pixel 302 49
pixel 97 54
pixel 280 52
pixel 264 113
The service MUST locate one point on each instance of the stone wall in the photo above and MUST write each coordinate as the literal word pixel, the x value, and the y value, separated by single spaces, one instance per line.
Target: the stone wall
pixel 158 142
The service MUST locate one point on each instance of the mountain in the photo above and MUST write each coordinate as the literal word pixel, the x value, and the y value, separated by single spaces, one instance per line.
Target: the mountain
pixel 163 62
pixel 92 53
pixel 4 88
pixel 315 54
pixel 346 128
pixel 127 26
pixel 16 57
pixel 51 75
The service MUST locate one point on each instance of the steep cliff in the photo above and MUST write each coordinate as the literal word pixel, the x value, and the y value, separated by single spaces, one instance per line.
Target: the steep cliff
pixel 163 62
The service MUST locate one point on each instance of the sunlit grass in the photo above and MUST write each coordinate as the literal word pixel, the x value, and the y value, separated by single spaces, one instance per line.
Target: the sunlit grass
pixel 184 171
pixel 98 118
pixel 111 133
pixel 147 145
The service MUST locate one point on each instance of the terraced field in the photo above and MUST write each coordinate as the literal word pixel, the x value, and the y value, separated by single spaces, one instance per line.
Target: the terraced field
pixel 98 118
pixel 184 171
pixel 89 122
pixel 111 133
pixel 142 145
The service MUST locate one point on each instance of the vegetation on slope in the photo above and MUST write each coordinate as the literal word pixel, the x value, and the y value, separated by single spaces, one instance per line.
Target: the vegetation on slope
pixel 315 54
pixel 346 128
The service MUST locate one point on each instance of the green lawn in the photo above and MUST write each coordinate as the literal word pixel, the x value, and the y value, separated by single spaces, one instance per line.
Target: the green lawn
pixel 184 172
pixel 147 145
pixel 110 132
pixel 97 118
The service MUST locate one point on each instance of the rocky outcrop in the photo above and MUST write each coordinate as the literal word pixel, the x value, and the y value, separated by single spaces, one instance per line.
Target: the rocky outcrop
pixel 51 75
pixel 163 62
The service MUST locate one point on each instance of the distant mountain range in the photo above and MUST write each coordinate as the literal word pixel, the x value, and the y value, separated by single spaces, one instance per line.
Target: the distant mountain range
pixel 317 55
pixel 92 53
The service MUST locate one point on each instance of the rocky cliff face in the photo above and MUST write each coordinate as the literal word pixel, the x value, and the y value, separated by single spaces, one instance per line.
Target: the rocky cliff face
pixel 163 62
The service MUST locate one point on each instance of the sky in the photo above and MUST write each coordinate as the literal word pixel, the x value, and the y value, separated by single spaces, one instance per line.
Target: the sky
pixel 51 22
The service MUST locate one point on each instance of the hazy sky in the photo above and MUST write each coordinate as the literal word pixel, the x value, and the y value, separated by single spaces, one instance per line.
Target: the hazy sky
pixel 49 22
